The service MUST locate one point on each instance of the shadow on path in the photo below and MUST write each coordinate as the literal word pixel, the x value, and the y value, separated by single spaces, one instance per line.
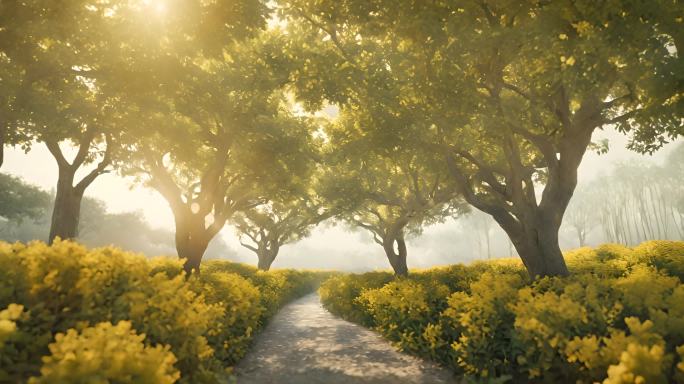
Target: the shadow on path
pixel 304 343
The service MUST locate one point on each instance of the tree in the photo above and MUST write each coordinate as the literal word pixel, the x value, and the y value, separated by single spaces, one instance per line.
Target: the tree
pixel 57 96
pixel 638 202
pixel 481 224
pixel 391 194
pixel 205 121
pixel 511 92
pixel 223 162
pixel 14 46
pixel 582 214
pixel 275 224
pixel 219 136
pixel 674 171
pixel 19 200
pixel 25 216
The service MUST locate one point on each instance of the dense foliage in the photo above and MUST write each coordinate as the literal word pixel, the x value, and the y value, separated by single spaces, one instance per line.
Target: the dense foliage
pixel 61 302
pixel 505 94
pixel 216 105
pixel 619 317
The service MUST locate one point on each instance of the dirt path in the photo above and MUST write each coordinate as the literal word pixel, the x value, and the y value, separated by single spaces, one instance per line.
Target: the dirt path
pixel 305 344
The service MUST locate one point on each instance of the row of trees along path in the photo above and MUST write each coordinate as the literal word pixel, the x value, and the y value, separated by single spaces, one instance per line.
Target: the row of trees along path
pixel 440 104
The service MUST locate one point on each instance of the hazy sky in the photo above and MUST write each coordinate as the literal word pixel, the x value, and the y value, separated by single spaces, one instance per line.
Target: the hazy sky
pixel 329 246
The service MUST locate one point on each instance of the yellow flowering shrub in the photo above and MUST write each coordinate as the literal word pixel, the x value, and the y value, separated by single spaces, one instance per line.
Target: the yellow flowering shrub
pixel 679 372
pixel 339 293
pixel 597 354
pixel 276 287
pixel 8 318
pixel 106 353
pixel 240 313
pixel 619 317
pixel 639 364
pixel 477 326
pixel 403 309
pixel 664 255
pixel 206 321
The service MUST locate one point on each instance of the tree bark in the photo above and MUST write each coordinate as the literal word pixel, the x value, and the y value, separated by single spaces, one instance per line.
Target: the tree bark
pixel 3 134
pixel 396 258
pixel 538 247
pixel 532 223
pixel 192 253
pixel 192 240
pixel 2 153
pixel 67 208
pixel 266 258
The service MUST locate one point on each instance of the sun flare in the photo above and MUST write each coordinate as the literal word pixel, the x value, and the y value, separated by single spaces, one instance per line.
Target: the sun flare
pixel 158 7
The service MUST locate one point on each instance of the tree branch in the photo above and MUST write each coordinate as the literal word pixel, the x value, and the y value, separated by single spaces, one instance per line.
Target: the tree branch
pixel 161 180
pixel 619 119
pixel 498 212
pixel 612 103
pixel 331 32
pixel 517 90
pixel 100 169
pixel 251 248
pixel 53 147
pixel 485 172
pixel 83 148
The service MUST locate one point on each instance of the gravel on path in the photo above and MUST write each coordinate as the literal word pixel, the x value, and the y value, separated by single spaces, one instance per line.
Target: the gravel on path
pixel 305 344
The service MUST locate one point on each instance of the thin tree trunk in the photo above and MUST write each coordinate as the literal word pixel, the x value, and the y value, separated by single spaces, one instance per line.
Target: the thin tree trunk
pixel 3 141
pixel 67 208
pixel 581 235
pixel 678 223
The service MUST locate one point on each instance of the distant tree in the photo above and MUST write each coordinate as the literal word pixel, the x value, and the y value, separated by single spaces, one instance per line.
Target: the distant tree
pixel 391 194
pixel 20 201
pixel 635 202
pixel 674 170
pixel 583 214
pixel 481 224
pixel 275 224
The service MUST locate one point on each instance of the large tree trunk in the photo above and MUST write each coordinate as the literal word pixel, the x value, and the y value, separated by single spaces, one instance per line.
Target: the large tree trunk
pixel 67 208
pixel 192 241
pixel 537 245
pixel 266 258
pixel 396 258
pixel 192 253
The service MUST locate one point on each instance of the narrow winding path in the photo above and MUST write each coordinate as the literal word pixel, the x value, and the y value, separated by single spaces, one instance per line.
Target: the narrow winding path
pixel 306 344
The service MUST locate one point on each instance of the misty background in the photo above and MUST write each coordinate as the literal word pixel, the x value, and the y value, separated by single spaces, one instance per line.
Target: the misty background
pixel 621 197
